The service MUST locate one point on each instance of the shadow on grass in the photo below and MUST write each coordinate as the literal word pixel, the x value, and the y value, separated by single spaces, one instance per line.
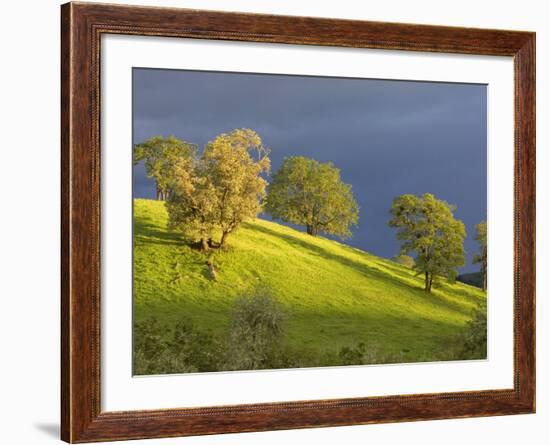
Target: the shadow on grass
pixel 460 291
pixel 150 233
pixel 364 269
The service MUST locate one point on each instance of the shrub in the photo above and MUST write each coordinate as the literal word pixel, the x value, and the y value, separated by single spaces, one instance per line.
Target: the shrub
pixel 158 350
pixel 475 338
pixel 257 327
pixel 404 260
pixel 149 346
pixel 195 348
pixel 352 356
pixel 367 354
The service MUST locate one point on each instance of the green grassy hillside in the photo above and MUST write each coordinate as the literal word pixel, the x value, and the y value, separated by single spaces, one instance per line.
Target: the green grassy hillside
pixel 334 295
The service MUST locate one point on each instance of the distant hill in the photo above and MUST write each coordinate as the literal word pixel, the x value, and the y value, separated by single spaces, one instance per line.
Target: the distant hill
pixel 473 279
pixel 335 295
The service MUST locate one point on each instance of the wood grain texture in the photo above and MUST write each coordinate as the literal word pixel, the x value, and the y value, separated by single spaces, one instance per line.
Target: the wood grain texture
pixel 81 28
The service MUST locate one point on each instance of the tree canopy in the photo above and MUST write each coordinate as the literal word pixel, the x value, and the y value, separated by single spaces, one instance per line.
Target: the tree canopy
pixel 309 193
pixel 404 260
pixel 428 228
pixel 481 257
pixel 220 189
pixel 159 154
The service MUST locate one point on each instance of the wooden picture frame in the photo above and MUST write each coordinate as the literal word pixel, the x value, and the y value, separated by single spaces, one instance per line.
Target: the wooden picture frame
pixel 82 25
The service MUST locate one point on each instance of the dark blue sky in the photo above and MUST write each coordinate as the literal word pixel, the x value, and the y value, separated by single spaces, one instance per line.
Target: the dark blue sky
pixel 387 137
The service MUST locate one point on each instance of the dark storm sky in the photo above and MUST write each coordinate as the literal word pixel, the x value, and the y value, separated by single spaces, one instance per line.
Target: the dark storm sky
pixel 387 137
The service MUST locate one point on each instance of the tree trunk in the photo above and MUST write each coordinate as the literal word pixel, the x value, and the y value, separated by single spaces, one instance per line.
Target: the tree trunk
pixel 159 194
pixel 311 230
pixel 204 245
pixel 427 282
pixel 225 235
pixel 431 282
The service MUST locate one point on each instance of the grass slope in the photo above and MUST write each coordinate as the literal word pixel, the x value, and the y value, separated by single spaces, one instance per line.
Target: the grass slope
pixel 335 295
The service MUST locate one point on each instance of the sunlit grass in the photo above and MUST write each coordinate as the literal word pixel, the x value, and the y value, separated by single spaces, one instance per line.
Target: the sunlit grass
pixel 334 295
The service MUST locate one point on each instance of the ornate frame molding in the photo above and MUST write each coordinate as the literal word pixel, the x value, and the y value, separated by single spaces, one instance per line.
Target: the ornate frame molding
pixel 82 25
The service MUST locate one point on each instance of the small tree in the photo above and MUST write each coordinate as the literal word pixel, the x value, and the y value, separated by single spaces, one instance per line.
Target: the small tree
pixel 192 207
pixel 481 257
pixel 404 260
pixel 306 192
pixel 159 154
pixel 257 328
pixel 235 175
pixel 475 336
pixel 428 228
pixel 219 190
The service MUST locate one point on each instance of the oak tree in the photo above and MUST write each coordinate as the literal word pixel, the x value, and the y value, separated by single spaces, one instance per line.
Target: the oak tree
pixel 481 257
pixel 159 154
pixel 428 228
pixel 309 193
pixel 214 193
pixel 234 164
pixel 192 205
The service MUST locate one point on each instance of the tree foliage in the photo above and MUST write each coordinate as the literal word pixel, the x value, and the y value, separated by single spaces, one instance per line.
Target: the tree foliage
pixel 404 260
pixel 159 349
pixel 220 189
pixel 192 205
pixel 256 332
pixel 159 154
pixel 475 337
pixel 481 257
pixel 427 228
pixel 309 193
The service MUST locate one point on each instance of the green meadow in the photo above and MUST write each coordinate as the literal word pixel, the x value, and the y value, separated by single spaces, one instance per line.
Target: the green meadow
pixel 334 296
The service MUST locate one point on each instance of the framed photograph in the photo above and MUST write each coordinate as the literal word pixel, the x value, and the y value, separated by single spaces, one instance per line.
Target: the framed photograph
pixel 274 222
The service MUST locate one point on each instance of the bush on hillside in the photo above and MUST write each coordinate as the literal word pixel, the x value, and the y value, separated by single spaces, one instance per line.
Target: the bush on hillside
pixel 475 338
pixel 149 346
pixel 404 260
pixel 183 349
pixel 257 328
